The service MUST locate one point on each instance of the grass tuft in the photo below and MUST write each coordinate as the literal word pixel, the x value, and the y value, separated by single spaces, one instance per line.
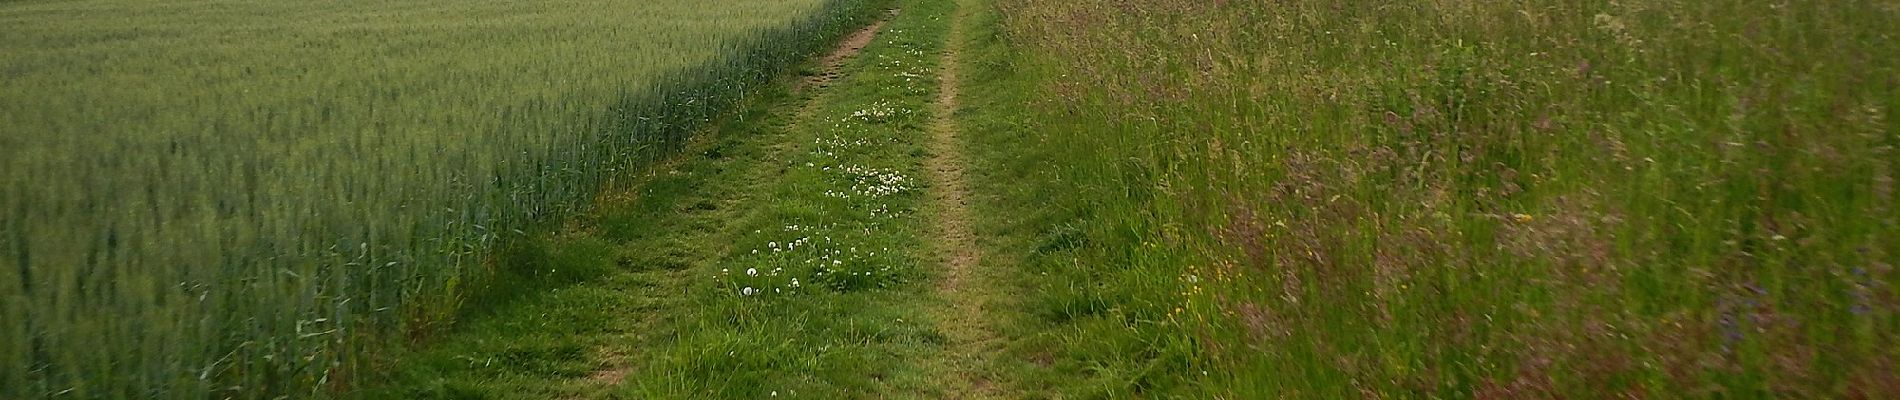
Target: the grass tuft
pixel 1237 199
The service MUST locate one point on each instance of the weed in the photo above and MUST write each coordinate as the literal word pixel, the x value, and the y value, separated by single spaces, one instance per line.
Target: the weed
pixel 1503 200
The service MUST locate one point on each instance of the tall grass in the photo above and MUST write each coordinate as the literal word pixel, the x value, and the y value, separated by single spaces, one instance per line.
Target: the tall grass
pixel 211 199
pixel 1543 198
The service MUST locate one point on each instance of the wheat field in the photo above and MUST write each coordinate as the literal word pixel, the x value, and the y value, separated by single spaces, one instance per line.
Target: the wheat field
pixel 215 198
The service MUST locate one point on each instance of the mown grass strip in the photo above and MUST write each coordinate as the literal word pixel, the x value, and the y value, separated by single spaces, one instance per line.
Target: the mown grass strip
pixel 823 295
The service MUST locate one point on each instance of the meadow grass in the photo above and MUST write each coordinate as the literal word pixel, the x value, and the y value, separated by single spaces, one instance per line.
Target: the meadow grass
pixel 214 199
pixel 1550 198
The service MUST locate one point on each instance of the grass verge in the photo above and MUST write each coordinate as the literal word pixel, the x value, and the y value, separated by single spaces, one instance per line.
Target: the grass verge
pixel 1440 199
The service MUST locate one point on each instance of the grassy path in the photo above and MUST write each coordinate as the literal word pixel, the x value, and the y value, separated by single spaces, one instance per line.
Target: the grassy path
pixel 966 289
pixel 784 257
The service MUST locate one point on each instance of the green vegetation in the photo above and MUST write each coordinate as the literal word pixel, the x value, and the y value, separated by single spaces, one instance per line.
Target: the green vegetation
pixel 213 199
pixel 785 258
pixel 1533 199
pixel 624 264
pixel 1173 199
pixel 818 293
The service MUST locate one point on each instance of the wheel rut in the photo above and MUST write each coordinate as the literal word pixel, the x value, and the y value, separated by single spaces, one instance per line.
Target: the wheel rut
pixel 831 64
pixel 965 288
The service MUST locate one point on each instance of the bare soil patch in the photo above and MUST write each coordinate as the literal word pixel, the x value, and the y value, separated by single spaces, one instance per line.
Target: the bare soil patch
pixel 832 63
